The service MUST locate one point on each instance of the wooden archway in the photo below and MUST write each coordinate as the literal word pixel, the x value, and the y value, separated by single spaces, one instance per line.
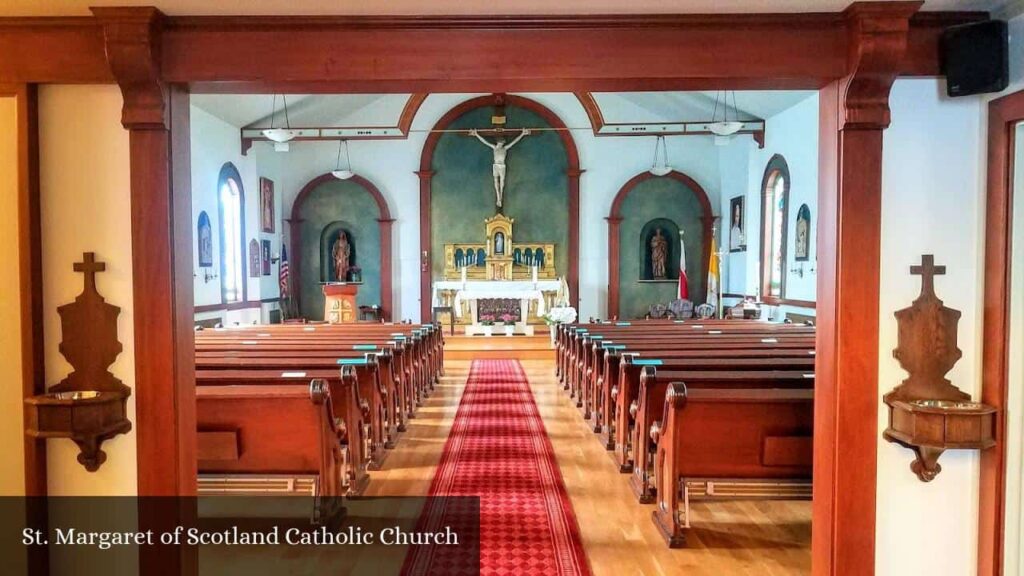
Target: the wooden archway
pixel 385 221
pixel 615 218
pixel 426 174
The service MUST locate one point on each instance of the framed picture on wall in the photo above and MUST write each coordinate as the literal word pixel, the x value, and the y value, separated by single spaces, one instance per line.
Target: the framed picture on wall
pixel 204 240
pixel 255 266
pixel 265 256
pixel 737 225
pixel 267 205
pixel 802 250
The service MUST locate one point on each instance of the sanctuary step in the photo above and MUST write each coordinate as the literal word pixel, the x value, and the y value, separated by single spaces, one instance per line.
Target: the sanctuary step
pixel 537 347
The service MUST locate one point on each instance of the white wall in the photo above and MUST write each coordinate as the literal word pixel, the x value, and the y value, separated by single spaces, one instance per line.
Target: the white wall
pixel 85 195
pixel 933 202
pixel 215 143
pixel 792 133
pixel 391 165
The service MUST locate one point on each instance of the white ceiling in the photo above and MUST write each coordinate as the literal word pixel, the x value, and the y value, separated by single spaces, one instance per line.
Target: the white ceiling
pixel 358 110
pixel 305 110
pixel 467 7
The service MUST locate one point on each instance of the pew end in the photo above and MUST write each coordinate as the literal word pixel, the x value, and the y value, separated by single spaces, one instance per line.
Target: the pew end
pixel 729 443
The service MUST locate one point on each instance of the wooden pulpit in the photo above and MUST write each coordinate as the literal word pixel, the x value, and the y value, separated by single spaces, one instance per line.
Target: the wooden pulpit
pixel 340 303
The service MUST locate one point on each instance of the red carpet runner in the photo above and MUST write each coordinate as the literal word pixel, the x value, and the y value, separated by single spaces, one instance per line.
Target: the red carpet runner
pixel 498 450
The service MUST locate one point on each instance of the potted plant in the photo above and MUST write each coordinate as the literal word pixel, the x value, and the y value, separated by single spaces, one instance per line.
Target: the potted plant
pixel 487 321
pixel 355 274
pixel 510 323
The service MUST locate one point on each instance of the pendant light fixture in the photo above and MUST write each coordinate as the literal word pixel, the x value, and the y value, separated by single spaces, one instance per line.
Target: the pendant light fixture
pixel 660 168
pixel 724 127
pixel 279 135
pixel 346 172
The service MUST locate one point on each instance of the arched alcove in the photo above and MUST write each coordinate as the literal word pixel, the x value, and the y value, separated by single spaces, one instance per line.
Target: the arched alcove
pixel 646 198
pixel 556 165
pixel 328 237
pixel 323 207
pixel 670 231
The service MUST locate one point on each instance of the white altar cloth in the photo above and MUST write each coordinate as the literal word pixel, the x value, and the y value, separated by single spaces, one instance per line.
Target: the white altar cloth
pixel 474 290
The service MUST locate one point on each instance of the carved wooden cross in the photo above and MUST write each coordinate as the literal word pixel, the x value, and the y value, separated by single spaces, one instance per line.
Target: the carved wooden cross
pixel 927 270
pixel 89 266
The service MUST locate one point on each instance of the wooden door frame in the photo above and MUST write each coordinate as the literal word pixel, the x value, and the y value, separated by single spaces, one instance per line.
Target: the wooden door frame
pixel 852 57
pixel 1003 115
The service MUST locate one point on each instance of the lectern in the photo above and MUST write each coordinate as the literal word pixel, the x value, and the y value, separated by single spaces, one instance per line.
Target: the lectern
pixel 340 303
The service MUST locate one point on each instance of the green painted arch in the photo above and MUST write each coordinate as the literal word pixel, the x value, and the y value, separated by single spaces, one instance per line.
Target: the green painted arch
pixel 642 202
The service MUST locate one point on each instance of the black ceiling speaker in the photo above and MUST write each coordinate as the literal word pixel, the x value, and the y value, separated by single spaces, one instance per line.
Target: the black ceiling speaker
pixel 975 58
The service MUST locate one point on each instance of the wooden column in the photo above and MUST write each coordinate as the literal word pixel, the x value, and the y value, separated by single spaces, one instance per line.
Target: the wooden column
pixel 853 113
pixel 572 272
pixel 387 304
pixel 613 267
pixel 426 312
pixel 157 120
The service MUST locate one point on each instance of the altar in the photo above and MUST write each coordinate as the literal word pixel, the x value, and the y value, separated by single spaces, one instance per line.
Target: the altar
pixel 475 298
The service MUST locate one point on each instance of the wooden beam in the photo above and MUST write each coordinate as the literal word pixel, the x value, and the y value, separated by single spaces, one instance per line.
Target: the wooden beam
pixel 853 113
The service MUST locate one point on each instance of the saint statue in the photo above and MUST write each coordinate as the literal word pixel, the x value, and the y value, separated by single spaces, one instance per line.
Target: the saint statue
pixel 659 254
pixel 340 253
pixel 499 243
pixel 500 149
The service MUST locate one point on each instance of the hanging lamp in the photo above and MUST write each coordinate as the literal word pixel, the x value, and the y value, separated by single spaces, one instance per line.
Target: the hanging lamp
pixel 279 135
pixel 725 127
pixel 660 168
pixel 346 172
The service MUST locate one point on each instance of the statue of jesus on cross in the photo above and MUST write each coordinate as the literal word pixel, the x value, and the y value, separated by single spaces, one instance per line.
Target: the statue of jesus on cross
pixel 500 149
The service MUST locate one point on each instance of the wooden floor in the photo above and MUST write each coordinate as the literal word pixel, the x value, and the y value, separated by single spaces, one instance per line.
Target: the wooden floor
pixel 461 347
pixel 750 537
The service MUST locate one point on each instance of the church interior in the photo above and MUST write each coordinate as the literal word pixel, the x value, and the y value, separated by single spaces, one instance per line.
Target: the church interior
pixel 445 290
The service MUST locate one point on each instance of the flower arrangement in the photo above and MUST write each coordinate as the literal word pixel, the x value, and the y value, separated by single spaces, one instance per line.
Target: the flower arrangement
pixel 508 319
pixel 487 319
pixel 560 315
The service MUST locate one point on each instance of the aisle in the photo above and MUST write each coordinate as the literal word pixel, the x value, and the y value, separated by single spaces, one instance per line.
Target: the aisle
pixel 499 450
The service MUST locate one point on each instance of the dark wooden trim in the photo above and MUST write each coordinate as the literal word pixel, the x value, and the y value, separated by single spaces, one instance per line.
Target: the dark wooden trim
pixel 412 106
pixel 384 218
pixel 846 394
pixel 230 172
pixel 1003 114
pixel 615 218
pixel 598 123
pixel 426 174
pixel 777 165
pixel 752 51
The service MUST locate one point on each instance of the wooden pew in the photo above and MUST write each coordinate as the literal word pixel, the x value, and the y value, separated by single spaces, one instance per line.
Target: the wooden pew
pixel 282 439
pixel 729 443
pixel 351 414
pixel 594 352
pixel 650 406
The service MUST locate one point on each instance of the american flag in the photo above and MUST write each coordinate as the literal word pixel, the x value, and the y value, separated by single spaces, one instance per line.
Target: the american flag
pixel 284 272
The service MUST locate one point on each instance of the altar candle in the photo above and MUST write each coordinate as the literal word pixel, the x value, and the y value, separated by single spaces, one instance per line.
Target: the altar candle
pixel 463 274
pixel 535 274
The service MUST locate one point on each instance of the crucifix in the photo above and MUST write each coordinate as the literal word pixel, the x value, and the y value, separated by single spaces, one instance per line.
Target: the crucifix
pixel 500 148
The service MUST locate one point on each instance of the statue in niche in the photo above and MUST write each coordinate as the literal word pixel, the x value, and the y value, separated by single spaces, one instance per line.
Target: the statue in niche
pixel 340 254
pixel 500 149
pixel 659 254
pixel 499 243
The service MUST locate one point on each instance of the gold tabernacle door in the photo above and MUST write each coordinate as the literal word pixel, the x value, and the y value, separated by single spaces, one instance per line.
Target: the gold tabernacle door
pixel 498 257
